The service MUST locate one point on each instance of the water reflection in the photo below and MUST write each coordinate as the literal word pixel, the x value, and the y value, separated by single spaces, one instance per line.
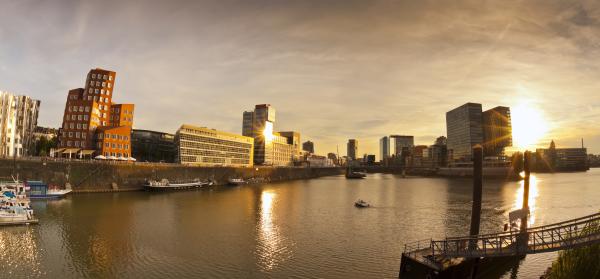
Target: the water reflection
pixel 19 252
pixel 271 250
pixel 533 195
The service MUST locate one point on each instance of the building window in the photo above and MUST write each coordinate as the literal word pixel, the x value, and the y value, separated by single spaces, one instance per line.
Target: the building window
pixel 77 135
pixel 109 77
pixel 96 91
pixel 76 144
pixel 105 77
pixel 102 91
pixel 93 75
pixel 91 83
pixel 78 125
pixel 107 144
pixel 71 125
pixel 70 134
pixel 103 84
pixel 83 135
pixel 89 98
pixel 90 91
pixel 87 109
pixel 85 117
pixel 97 83
pixel 83 144
pixel 69 143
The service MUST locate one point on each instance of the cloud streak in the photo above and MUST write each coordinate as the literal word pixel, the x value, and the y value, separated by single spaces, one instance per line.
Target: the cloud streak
pixel 333 69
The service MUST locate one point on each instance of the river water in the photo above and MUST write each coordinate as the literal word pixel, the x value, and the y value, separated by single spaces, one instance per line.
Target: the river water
pixel 299 229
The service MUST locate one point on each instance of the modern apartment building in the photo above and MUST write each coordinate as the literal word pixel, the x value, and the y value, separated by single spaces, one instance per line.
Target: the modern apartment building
pixel 400 143
pixel 352 149
pixel 497 131
pixel 270 148
pixel 18 120
pixel 464 130
pixel 261 129
pixel 309 147
pixel 561 159
pixel 90 109
pixel 201 146
pixel 113 141
pixel 384 148
pixel 283 151
pixel 468 126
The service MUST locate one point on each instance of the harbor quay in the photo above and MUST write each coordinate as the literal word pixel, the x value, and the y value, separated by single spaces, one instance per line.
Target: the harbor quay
pixel 97 176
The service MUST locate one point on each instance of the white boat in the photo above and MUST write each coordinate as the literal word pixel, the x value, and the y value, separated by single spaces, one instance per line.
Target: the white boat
pixel 11 214
pixel 236 181
pixel 361 204
pixel 15 206
pixel 164 184
pixel 40 190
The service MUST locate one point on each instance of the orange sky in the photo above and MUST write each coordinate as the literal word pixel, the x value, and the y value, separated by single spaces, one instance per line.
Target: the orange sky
pixel 333 69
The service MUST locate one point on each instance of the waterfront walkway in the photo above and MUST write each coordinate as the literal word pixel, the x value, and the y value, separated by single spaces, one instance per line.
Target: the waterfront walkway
pixel 560 236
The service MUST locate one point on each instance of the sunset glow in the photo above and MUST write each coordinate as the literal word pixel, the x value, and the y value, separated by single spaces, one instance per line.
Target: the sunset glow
pixel 528 126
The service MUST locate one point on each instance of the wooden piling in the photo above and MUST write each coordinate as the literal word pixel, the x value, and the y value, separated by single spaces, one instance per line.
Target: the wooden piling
pixel 526 169
pixel 477 189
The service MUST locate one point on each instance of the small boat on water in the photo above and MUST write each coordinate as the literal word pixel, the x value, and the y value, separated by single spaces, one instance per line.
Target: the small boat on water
pixel 165 185
pixel 355 175
pixel 236 181
pixel 40 190
pixel 361 204
pixel 15 206
pixel 352 174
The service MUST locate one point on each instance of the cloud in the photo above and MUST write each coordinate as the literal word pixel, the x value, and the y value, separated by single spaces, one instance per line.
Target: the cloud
pixel 334 70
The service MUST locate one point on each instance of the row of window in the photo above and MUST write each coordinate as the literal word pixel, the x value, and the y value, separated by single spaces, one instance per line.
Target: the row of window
pixel 79 108
pixel 116 154
pixel 205 146
pixel 74 125
pixel 98 91
pixel 210 140
pixel 117 110
pixel 112 136
pixel 114 145
pixel 210 160
pixel 100 76
pixel 211 153
pixel 76 144
pixel 78 117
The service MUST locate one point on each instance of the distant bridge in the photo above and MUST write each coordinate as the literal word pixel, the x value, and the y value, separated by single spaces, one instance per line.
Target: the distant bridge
pixel 560 236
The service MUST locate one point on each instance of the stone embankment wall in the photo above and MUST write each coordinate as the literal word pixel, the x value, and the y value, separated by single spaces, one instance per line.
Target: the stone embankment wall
pixel 106 176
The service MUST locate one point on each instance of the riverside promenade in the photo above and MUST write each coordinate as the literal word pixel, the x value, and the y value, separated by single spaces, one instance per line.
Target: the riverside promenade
pixel 106 176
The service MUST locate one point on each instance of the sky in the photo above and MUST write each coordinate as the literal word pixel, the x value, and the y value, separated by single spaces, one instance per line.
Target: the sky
pixel 333 70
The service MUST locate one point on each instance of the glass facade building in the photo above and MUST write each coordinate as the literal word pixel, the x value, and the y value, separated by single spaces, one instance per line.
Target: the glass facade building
pixel 464 130
pixel 497 131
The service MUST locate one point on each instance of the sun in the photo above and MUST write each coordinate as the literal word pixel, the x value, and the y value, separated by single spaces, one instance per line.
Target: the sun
pixel 528 126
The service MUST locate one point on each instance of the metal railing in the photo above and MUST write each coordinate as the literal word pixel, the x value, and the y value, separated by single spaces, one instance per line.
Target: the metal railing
pixel 553 237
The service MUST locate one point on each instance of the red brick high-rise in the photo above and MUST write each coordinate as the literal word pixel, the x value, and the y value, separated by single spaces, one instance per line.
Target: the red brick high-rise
pixel 90 114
